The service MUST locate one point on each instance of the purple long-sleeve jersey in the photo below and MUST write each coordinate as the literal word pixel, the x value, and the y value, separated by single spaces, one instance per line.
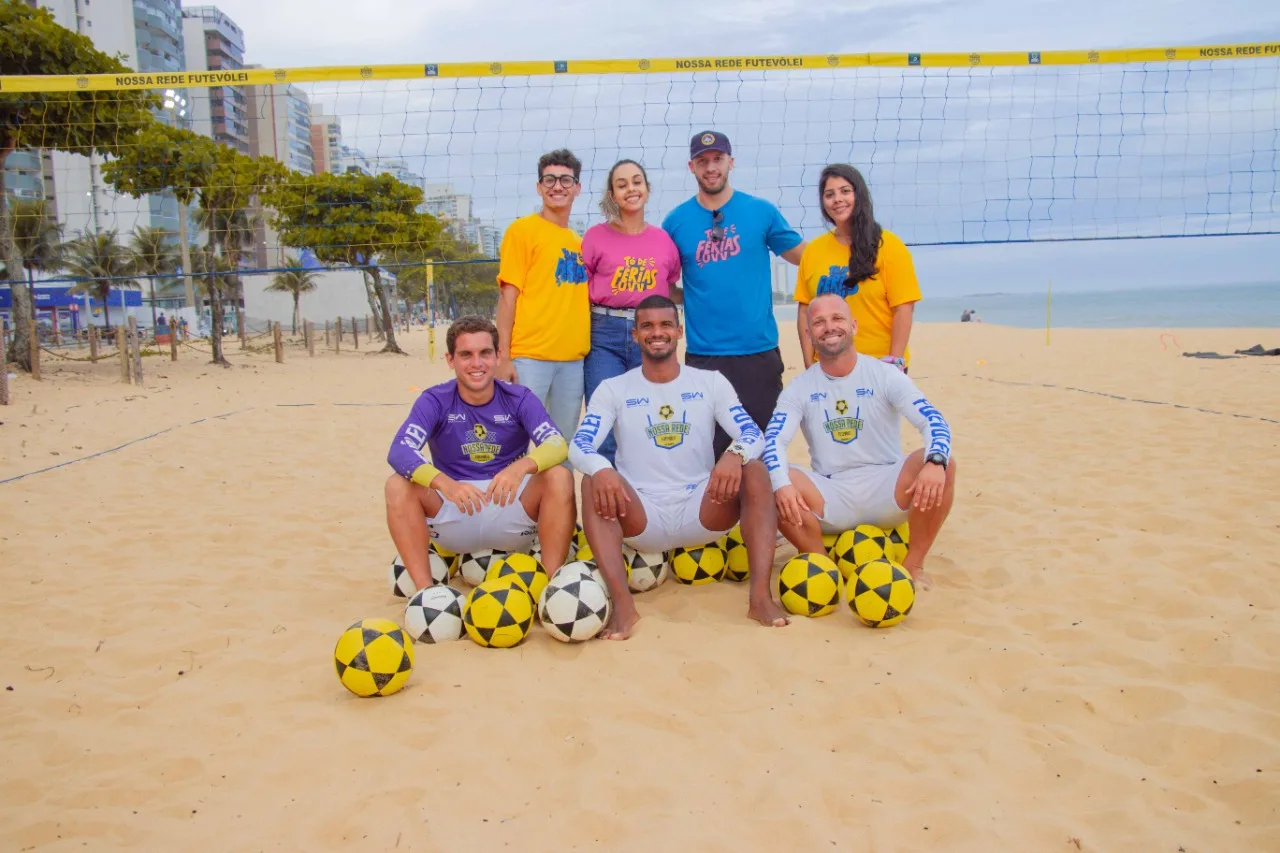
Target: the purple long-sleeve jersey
pixel 469 442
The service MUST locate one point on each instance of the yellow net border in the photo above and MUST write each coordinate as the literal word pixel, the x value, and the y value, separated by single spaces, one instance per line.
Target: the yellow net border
pixel 317 74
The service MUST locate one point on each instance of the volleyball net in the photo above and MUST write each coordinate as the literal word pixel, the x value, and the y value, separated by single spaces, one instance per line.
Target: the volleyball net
pixel 957 148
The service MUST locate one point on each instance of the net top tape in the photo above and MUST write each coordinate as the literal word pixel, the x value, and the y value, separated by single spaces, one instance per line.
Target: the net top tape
pixel 335 73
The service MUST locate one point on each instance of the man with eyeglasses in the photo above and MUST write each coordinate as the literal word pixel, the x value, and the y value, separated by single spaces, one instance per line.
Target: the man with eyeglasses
pixel 544 315
pixel 725 237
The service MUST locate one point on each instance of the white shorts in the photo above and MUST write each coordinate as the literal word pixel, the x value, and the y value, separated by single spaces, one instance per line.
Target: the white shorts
pixel 673 522
pixel 502 528
pixel 863 495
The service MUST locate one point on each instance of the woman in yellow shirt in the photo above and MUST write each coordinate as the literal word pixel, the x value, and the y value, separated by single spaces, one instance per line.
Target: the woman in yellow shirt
pixel 867 265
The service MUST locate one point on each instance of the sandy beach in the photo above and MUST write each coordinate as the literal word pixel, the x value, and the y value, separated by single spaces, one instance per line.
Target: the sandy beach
pixel 1097 667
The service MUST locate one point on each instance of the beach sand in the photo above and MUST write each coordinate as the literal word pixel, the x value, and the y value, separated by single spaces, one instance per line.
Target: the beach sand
pixel 1097 667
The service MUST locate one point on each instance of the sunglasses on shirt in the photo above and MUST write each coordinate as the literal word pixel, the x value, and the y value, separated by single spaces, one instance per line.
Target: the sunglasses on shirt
pixel 717 226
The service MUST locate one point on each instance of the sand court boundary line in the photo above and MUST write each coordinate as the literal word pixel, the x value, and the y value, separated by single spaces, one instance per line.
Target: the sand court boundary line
pixel 133 441
pixel 1122 397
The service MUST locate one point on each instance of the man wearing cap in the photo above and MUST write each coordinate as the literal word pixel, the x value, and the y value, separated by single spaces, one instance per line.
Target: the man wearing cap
pixel 725 237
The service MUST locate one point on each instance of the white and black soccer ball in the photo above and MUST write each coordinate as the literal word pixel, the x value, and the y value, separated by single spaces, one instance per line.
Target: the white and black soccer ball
pixel 476 564
pixel 574 607
pixel 402 585
pixel 434 614
pixel 647 569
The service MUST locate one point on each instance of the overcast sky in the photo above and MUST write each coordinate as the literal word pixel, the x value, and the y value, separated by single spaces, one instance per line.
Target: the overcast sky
pixel 288 33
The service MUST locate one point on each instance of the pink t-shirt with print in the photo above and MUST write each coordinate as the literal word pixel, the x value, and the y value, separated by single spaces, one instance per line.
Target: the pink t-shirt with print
pixel 622 269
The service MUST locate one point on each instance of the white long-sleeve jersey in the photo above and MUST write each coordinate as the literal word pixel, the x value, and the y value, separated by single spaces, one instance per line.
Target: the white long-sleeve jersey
pixel 664 430
pixel 850 421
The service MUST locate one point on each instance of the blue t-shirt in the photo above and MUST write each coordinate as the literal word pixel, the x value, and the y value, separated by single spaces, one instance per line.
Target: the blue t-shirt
pixel 728 294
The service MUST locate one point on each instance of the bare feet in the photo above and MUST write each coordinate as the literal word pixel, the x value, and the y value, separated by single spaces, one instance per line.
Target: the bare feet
pixel 923 581
pixel 768 613
pixel 621 623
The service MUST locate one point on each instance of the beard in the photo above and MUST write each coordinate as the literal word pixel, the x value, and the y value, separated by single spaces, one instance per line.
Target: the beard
pixel 835 348
pixel 714 189
pixel 652 356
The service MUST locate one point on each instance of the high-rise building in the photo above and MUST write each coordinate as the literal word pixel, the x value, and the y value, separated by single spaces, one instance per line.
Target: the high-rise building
pixel 215 43
pixel 279 119
pixel 326 139
pixel 148 34
pixel 442 202
pixel 397 168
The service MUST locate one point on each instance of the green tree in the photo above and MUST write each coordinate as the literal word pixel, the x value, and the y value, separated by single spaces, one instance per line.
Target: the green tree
pixel 353 219
pixel 99 263
pixel 295 280
pixel 37 238
pixel 155 254
pixel 226 184
pixel 81 121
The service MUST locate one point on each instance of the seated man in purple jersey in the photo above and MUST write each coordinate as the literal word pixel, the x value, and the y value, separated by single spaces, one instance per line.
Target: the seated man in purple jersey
pixel 481 487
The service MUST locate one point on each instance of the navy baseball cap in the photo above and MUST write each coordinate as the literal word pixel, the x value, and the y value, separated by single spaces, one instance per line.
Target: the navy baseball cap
pixel 709 140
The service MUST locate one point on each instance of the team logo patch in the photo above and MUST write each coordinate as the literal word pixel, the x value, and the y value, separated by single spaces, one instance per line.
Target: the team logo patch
pixel 708 138
pixel 480 450
pixel 480 431
pixel 842 428
pixel 667 433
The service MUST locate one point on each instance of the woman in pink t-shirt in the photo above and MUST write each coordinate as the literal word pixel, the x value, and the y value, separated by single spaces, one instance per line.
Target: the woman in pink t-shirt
pixel 627 259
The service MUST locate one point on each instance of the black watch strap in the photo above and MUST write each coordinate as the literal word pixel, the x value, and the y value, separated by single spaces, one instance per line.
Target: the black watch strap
pixel 937 459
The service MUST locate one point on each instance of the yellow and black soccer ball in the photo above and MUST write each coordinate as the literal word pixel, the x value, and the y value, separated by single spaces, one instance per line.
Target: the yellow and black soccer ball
pixel 881 593
pixel 374 657
pixel 898 539
pixel 520 568
pixel 809 585
pixel 735 555
pixel 829 542
pixel 498 614
pixel 451 560
pixel 579 548
pixel 862 544
pixel 698 565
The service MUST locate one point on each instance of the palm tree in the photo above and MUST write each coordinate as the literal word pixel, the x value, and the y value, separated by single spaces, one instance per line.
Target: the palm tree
pixel 230 232
pixel 296 280
pixel 37 237
pixel 100 263
pixel 154 254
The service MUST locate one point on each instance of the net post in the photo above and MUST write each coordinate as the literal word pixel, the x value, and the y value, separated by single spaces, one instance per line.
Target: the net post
pixel 135 343
pixel 4 376
pixel 355 333
pixel 310 329
pixel 240 329
pixel 93 343
pixel 34 338
pixel 326 334
pixel 124 355
pixel 277 342
pixel 431 317
pixel 337 338
pixel 173 339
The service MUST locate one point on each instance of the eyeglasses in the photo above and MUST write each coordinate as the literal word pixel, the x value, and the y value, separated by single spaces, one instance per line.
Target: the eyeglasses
pixel 717 226
pixel 549 181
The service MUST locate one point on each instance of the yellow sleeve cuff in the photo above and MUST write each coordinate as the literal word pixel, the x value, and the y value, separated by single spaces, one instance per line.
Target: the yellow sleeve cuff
pixel 550 453
pixel 424 474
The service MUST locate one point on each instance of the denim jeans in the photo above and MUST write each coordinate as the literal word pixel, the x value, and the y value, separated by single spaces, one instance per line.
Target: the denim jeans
pixel 613 353
pixel 558 384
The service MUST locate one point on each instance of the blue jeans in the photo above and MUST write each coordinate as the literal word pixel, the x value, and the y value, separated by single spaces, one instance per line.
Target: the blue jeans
pixel 558 384
pixel 613 353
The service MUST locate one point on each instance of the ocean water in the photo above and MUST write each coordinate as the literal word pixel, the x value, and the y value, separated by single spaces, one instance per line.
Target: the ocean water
pixel 1211 306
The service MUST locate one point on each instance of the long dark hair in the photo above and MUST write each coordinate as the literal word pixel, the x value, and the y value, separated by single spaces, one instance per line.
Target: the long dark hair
pixel 865 231
pixel 609 204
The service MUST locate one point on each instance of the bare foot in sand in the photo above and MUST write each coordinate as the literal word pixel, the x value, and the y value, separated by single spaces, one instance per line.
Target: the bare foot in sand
pixel 768 613
pixel 621 623
pixel 922 580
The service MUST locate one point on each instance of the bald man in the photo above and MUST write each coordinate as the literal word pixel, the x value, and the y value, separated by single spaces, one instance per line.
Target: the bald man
pixel 849 407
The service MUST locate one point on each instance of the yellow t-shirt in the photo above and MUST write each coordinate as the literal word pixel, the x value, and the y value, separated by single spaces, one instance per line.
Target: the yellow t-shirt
pixel 824 266
pixel 553 315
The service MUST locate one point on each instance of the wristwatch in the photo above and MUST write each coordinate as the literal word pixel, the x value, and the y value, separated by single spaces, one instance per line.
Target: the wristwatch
pixel 897 361
pixel 739 451
pixel 937 459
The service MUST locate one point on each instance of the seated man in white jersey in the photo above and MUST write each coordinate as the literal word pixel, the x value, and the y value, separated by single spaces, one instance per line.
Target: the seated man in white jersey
pixel 668 489
pixel 849 407
pixel 481 486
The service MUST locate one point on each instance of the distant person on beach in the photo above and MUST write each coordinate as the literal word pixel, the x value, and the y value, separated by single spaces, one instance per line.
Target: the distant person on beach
pixel 849 407
pixel 725 237
pixel 627 259
pixel 543 314
pixel 480 486
pixel 868 266
pixel 970 315
pixel 669 488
